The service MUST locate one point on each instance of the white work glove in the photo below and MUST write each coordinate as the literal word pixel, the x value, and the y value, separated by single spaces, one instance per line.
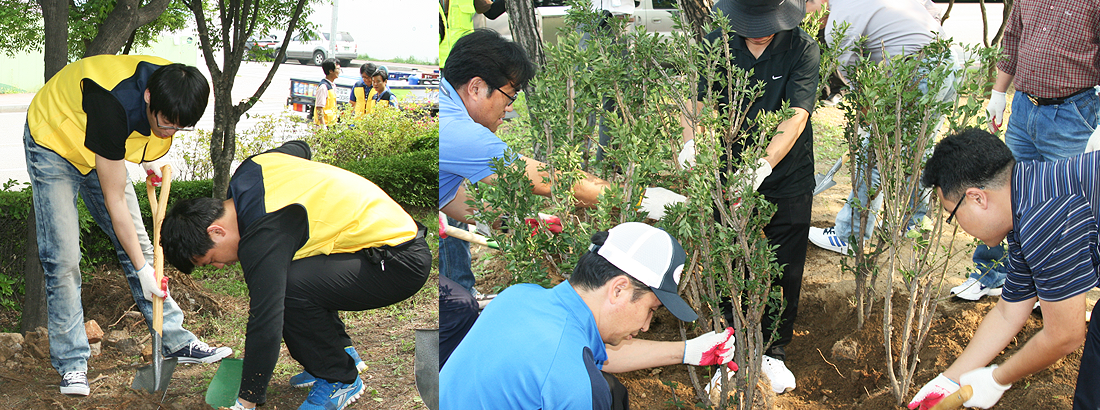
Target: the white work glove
pixel 148 278
pixel 152 169
pixel 687 155
pixel 710 348
pixel 986 390
pixel 655 199
pixel 762 171
pixel 995 111
pixel 1094 141
pixel 933 392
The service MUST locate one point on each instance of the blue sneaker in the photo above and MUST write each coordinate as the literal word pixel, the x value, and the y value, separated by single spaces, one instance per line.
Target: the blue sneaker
pixel 327 395
pixel 304 379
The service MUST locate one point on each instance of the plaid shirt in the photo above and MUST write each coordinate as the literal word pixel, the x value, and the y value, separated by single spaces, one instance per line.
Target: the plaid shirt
pixel 1052 47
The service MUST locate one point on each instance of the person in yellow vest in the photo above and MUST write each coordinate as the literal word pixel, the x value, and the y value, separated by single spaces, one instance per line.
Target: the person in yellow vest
pixel 456 20
pixel 312 240
pixel 85 121
pixel 324 100
pixel 362 94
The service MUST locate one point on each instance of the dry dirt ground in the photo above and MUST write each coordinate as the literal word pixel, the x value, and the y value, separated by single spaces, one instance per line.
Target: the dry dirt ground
pixel 827 315
pixel 384 339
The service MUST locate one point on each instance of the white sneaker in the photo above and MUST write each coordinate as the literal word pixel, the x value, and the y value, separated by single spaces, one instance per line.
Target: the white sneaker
pixel 782 379
pixel 974 290
pixel 826 239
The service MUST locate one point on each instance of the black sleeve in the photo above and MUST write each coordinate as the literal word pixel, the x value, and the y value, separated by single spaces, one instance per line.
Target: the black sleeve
pixel 805 75
pixel 266 250
pixel 107 130
pixel 296 148
pixel 495 10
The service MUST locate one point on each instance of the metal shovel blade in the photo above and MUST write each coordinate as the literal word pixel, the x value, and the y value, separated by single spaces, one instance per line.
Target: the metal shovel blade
pixel 826 181
pixel 155 376
pixel 426 365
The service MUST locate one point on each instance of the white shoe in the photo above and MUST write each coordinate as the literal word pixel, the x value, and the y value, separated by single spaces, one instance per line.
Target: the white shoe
pixel 826 239
pixel 781 378
pixel 74 383
pixel 974 290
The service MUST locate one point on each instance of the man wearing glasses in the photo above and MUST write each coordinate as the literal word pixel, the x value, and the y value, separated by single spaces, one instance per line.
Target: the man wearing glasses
pixel 90 117
pixel 1048 211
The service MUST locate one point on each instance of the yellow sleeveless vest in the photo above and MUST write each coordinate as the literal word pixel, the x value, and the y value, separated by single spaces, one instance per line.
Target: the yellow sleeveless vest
pixel 329 110
pixel 57 120
pixel 346 212
pixel 458 22
pixel 364 103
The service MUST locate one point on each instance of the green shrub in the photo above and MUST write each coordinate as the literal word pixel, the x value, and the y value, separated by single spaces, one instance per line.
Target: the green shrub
pixel 410 178
pixel 382 133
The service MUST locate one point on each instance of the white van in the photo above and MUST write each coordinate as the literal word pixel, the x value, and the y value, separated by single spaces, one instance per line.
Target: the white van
pixel 312 46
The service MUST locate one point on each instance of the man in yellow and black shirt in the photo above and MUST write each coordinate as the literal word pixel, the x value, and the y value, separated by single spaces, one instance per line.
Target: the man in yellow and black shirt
pixel 85 121
pixel 312 240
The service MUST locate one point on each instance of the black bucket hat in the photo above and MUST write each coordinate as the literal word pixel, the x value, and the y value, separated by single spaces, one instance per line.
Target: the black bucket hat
pixel 762 18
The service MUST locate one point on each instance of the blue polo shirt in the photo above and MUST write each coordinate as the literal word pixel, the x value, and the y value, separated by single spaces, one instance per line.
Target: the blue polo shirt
pixel 1053 245
pixel 532 348
pixel 465 147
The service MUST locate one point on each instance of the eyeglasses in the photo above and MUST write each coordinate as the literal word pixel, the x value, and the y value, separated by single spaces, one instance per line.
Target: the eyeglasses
pixel 511 99
pixel 164 127
pixel 952 216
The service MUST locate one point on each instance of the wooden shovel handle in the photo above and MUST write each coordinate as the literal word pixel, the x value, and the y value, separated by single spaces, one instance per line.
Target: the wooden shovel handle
pixel 158 207
pixel 955 400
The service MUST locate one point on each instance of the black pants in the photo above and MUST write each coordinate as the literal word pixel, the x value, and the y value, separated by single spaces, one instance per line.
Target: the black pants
pixel 789 232
pixel 320 286
pixel 457 313
pixel 1087 394
pixel 620 396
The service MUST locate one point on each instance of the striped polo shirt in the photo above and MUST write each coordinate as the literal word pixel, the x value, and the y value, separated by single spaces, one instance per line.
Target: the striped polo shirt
pixel 1053 245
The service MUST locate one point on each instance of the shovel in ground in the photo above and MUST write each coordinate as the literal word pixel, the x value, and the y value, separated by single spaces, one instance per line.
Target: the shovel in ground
pixel 426 363
pixel 155 376
pixel 826 181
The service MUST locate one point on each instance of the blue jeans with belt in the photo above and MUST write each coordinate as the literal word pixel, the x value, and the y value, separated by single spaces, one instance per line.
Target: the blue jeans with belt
pixel 55 183
pixel 1041 133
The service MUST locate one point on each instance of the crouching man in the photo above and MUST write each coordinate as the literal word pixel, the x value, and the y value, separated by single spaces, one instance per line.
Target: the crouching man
pixel 1049 212
pixel 312 240
pixel 536 348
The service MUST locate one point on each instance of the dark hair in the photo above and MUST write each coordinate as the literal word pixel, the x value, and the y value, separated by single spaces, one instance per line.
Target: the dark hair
pixel 382 71
pixel 970 158
pixel 484 53
pixel 328 66
pixel 183 232
pixel 593 271
pixel 179 92
pixel 368 69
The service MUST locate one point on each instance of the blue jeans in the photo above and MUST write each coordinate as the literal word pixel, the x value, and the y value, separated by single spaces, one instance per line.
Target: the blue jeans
pixel 454 258
pixel 1042 133
pixel 55 183
pixel 847 221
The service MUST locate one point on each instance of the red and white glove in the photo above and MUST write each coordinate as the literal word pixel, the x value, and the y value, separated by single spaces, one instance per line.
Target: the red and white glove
pixel 986 390
pixel 551 222
pixel 933 392
pixel 995 111
pixel 148 278
pixel 152 169
pixel 710 349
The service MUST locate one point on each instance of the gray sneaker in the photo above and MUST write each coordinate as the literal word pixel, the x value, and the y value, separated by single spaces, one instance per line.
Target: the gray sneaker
pixel 74 383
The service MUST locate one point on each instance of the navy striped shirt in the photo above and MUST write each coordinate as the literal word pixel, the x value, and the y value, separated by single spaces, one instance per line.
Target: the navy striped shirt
pixel 1052 246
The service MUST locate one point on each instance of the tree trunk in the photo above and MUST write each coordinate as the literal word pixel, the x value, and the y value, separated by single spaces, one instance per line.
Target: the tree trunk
pixel 55 18
pixel 525 28
pixel 34 280
pixel 126 17
pixel 223 141
pixel 697 16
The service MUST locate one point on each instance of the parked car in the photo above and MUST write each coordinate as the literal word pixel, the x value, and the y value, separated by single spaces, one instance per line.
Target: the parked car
pixel 261 47
pixel 312 46
pixel 654 15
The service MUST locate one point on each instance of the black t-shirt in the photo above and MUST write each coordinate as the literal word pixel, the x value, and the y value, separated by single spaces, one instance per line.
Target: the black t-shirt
pixel 789 69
